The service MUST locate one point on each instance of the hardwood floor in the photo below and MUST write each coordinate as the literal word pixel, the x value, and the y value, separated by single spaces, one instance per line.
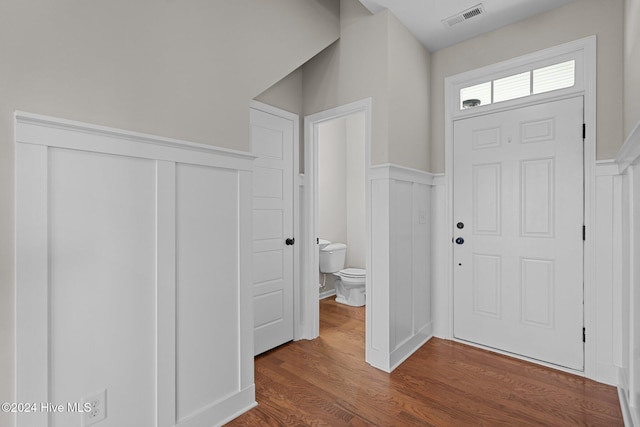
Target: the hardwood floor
pixel 326 382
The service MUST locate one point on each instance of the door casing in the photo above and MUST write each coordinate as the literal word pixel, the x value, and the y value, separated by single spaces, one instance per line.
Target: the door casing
pixel 584 52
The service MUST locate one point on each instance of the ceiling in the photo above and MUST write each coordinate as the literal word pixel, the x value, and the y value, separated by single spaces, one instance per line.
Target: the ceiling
pixel 424 17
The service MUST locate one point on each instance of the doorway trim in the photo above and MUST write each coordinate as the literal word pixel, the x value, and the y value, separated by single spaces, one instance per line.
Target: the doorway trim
pixel 584 51
pixel 310 317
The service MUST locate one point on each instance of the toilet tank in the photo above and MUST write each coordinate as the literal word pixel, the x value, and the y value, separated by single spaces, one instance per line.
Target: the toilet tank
pixel 332 257
pixel 322 243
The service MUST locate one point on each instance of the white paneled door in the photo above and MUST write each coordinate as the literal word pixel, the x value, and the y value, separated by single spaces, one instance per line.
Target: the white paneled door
pixel 272 142
pixel 518 231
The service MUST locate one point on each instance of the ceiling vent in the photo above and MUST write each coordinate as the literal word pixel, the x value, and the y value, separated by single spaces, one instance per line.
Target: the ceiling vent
pixel 465 15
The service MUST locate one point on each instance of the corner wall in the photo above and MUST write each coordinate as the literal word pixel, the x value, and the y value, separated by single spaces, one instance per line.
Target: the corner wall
pixel 628 162
pixel 352 69
pixel 409 94
pixel 376 57
pixel 399 301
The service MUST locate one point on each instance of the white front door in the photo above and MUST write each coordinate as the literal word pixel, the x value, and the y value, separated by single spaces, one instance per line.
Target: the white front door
pixel 518 231
pixel 272 141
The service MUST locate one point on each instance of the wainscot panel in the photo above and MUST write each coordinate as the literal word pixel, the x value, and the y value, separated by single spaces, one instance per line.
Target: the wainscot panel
pixel 133 276
pixel 401 260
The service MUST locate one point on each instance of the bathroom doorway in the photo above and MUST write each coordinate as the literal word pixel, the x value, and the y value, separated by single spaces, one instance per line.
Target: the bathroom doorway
pixel 341 201
pixel 337 161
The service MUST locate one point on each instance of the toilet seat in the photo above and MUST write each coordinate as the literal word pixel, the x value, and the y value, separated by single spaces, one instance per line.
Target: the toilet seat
pixel 354 273
pixel 352 278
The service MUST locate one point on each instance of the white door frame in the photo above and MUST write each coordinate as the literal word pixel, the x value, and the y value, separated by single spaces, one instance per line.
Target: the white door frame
pixel 310 319
pixel 296 204
pixel 584 52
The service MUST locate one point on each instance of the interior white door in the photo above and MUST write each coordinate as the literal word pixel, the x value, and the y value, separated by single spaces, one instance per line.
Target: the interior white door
pixel 272 141
pixel 518 231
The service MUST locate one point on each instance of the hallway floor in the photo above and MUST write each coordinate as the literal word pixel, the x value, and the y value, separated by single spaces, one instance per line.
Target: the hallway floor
pixel 327 382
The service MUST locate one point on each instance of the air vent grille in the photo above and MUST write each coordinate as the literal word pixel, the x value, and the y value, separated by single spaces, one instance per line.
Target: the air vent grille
pixel 475 12
pixel 464 15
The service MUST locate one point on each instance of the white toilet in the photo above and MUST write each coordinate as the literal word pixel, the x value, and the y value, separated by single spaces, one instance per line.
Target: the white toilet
pixel 350 283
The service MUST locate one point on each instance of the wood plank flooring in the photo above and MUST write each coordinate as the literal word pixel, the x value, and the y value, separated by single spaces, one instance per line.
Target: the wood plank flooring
pixel 326 382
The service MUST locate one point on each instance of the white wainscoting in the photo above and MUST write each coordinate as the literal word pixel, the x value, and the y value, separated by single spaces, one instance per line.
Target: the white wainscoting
pixel 607 270
pixel 441 293
pixel 628 162
pixel 133 264
pixel 400 277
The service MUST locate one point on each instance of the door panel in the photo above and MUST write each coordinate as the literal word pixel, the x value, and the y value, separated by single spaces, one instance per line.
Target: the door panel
pixel 518 191
pixel 487 198
pixel 272 141
pixel 487 284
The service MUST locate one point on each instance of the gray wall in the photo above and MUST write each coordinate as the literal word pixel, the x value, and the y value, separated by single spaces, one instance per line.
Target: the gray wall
pixel 341 185
pixel 287 95
pixel 332 180
pixel 376 57
pixel 356 206
pixel 332 188
pixel 578 19
pixel 409 93
pixel 172 68
pixel 631 65
pixel 354 68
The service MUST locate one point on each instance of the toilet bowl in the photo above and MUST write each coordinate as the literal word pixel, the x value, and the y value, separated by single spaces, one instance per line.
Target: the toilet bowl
pixel 350 286
pixel 350 283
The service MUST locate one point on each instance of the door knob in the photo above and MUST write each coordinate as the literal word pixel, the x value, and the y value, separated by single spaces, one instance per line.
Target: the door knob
pixel 290 241
pixel 459 240
pixel 460 225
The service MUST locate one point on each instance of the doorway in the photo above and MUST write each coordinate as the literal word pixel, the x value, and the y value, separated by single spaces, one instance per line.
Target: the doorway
pixel 519 215
pixel 582 53
pixel 341 195
pixel 311 229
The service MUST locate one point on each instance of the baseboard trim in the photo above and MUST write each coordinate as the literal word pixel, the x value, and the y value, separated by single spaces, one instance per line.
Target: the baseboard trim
pixel 410 346
pixel 240 412
pixel 624 406
pixel 327 294
pixel 226 410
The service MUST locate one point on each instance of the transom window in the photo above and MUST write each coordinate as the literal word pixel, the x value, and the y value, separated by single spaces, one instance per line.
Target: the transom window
pixel 539 80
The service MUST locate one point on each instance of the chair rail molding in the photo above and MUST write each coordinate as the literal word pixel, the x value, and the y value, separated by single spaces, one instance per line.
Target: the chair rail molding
pixel 629 153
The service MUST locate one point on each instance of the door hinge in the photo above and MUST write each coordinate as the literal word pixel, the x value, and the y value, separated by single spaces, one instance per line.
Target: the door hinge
pixel 584 335
pixel 584 232
pixel 584 131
